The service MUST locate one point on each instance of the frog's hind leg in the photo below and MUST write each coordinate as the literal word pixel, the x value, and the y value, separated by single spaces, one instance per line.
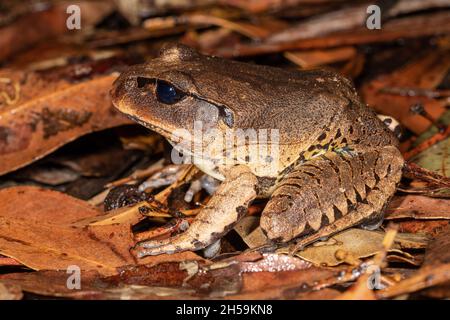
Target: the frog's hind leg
pixel 228 204
pixel 330 193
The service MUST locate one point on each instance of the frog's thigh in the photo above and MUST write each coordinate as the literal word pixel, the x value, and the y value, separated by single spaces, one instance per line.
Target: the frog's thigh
pixel 228 204
pixel 330 193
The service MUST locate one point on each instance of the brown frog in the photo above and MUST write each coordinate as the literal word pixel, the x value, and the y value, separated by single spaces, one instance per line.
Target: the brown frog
pixel 301 138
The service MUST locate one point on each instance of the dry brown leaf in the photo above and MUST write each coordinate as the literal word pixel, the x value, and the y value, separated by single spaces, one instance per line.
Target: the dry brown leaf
pixel 183 279
pixel 41 229
pixel 435 271
pixel 411 240
pixel 6 261
pixel 415 261
pixel 418 207
pixel 255 32
pixel 438 252
pixel 425 227
pixel 47 23
pixel 10 292
pixel 257 6
pixel 425 72
pixel 351 245
pixel 54 283
pixel 408 27
pixel 36 127
pixel 424 278
pixel 272 262
pixel 248 229
pixel 93 286
pixel 283 284
pixel 362 290
pixel 316 58
pixel 210 280
pixel 344 19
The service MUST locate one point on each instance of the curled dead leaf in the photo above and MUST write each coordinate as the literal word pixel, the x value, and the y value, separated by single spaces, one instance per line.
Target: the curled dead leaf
pixel 33 129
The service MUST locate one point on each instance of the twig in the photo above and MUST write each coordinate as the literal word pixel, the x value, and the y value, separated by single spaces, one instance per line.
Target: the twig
pixel 416 92
pixel 412 170
pixel 426 277
pixel 438 137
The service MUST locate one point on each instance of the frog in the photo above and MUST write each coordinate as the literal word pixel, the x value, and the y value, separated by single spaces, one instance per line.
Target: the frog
pixel 335 163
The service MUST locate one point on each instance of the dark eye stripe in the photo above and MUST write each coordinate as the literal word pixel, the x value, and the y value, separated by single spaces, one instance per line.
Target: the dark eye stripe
pixel 167 93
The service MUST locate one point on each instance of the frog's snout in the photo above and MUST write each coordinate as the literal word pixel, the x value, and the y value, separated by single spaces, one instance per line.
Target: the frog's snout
pixel 118 90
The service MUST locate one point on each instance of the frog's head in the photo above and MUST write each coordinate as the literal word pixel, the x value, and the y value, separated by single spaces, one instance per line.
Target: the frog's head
pixel 174 94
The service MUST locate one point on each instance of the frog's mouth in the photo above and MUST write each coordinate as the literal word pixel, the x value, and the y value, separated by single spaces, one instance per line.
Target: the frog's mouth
pixel 184 144
pixel 165 133
pixel 175 140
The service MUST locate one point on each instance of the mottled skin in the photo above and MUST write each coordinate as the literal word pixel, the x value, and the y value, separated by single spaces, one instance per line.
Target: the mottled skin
pixel 338 164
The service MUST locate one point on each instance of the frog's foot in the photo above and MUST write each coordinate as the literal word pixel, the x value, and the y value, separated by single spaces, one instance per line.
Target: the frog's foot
pixel 206 182
pixel 181 242
pixel 164 177
pixel 331 193
pixel 375 221
pixel 226 207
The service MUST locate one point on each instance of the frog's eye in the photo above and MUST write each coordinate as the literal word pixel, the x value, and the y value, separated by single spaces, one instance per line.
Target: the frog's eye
pixel 167 93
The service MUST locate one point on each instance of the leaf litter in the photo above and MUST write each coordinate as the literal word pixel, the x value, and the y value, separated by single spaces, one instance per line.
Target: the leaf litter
pixel 55 92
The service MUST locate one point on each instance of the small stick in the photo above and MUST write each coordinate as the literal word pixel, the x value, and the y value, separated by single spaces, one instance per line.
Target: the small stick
pixel 420 110
pixel 412 170
pixel 416 92
pixel 139 174
pixel 438 137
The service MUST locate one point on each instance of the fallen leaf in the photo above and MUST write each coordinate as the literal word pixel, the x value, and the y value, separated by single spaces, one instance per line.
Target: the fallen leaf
pixel 48 22
pixel 436 158
pixel 283 284
pixel 425 72
pixel 347 18
pixel 210 280
pixel 406 28
pixel 41 229
pixel 435 271
pixel 54 283
pixel 275 263
pixel 425 227
pixel 418 207
pixel 316 58
pixel 438 252
pixel 33 129
pixel 250 232
pixel 352 243
pixel 424 278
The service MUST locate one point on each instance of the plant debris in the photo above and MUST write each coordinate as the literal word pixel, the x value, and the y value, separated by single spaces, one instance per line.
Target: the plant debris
pixel 81 184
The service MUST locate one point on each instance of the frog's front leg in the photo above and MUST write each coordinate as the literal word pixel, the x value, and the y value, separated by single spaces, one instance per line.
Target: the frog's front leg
pixel 228 204
pixel 332 192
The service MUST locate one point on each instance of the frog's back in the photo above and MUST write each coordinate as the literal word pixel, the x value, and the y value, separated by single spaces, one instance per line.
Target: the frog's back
pixel 300 104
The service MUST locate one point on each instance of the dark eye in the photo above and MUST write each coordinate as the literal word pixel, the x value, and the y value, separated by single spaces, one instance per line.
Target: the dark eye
pixel 167 93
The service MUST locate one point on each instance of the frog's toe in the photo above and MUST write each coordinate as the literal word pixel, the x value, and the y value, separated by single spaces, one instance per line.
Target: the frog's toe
pixel 167 246
pixel 374 222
